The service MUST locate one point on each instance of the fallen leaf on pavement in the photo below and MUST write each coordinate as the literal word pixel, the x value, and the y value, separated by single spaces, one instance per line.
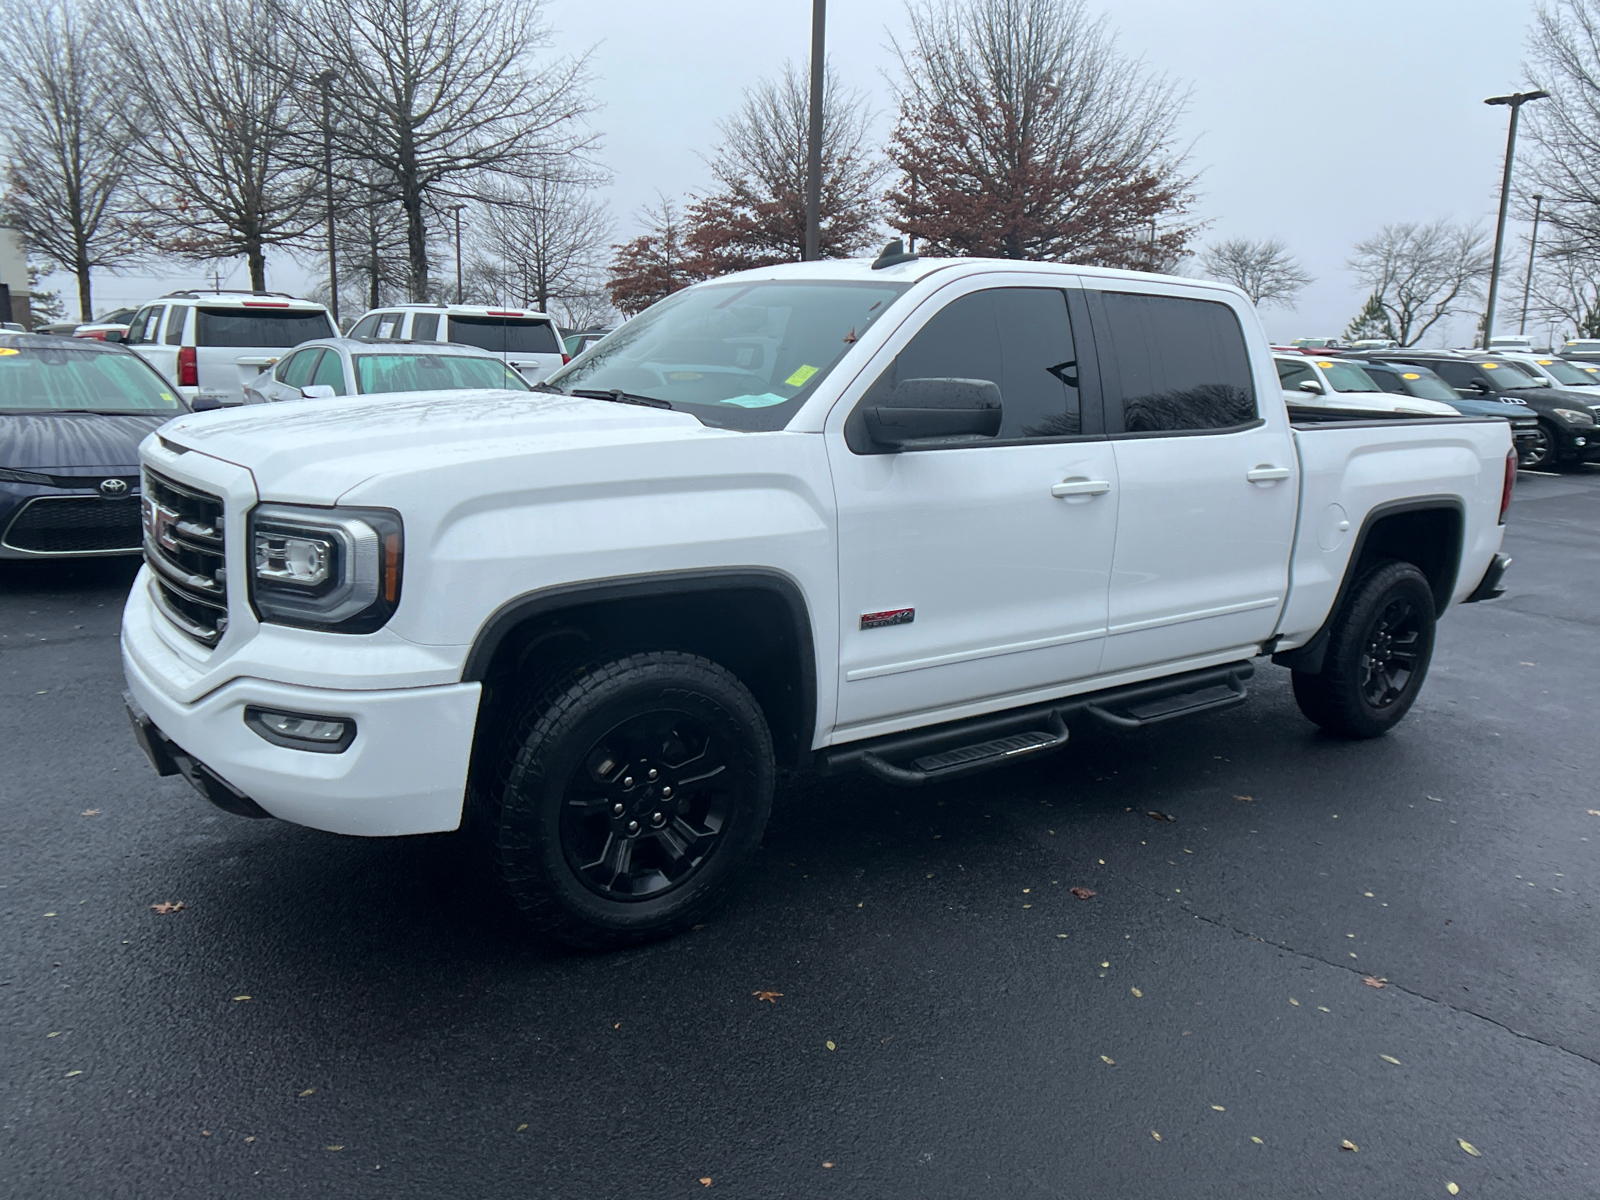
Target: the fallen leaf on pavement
pixel 1389 1058
pixel 827 1166
pixel 830 1045
pixel 1246 799
pixel 238 998
pixel 1347 1144
pixel 1469 1148
pixel 769 997
pixel 248 1140
pixel 168 906
pixel 705 1181
pixel 1594 812
pixel 1374 981
pixel 1155 1135
pixel 1160 816
pixel 1257 1140
pixel 70 1074
pixel 91 812
pixel 1452 1189
pixel 1137 993
pixel 1110 1062
pixel 1082 893
pixel 520 1128
pixel 308 1092
pixel 335 1147
pixel 1294 1002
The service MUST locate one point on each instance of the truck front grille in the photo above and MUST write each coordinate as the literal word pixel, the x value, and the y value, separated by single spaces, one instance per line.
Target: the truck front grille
pixel 184 545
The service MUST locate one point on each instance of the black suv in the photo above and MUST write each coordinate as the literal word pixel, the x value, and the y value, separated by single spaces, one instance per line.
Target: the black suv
pixel 1414 379
pixel 1566 419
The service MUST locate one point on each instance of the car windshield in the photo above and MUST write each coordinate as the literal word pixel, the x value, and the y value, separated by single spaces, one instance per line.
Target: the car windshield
pixel 1346 377
pixel 738 355
pixel 1569 373
pixel 1509 375
pixel 505 335
pixel 52 379
pixel 432 373
pixel 1425 385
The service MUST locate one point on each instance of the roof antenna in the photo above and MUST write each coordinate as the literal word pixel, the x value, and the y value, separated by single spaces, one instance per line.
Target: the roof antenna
pixel 893 255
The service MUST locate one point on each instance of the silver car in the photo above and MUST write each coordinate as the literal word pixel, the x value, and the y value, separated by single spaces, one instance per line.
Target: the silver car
pixel 330 367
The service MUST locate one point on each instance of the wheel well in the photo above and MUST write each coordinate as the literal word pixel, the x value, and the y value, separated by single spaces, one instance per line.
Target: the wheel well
pixel 1428 538
pixel 754 625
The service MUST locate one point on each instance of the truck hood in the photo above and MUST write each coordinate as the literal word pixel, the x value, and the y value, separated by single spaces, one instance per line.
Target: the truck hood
pixel 312 451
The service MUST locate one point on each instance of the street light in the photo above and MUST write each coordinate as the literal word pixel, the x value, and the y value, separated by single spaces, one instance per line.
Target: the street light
pixel 1533 245
pixel 814 138
pixel 456 209
pixel 325 82
pixel 1516 100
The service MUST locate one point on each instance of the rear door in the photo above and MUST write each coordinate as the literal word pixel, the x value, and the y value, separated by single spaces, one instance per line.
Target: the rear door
pixel 973 576
pixel 1208 477
pixel 235 343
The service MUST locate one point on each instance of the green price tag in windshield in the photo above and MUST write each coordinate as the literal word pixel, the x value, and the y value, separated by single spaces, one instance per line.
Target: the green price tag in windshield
pixel 798 379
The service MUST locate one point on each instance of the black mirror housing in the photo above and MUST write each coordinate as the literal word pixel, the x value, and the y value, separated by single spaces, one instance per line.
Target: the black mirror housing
pixel 205 404
pixel 929 410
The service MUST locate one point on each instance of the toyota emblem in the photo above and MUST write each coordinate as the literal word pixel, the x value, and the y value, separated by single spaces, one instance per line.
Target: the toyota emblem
pixel 113 488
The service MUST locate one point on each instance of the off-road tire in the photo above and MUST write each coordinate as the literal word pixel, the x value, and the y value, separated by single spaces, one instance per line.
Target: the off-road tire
pixel 1348 697
pixel 540 809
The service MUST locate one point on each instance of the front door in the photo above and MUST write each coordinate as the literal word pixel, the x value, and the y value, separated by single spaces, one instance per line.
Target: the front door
pixel 974 576
pixel 1209 480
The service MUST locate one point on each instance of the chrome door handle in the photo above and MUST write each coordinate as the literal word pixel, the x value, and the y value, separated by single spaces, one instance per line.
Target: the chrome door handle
pixel 1081 487
pixel 1268 474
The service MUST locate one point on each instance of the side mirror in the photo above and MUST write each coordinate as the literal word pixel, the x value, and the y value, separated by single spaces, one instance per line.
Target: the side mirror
pixel 1479 387
pixel 1311 385
pixel 204 403
pixel 318 391
pixel 113 336
pixel 921 410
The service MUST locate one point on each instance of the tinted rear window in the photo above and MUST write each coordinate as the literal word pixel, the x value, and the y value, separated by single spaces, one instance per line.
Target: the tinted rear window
pixel 260 328
pixel 1182 363
pixel 505 335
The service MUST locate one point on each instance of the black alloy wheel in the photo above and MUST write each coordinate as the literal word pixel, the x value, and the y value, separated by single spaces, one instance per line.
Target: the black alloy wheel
pixel 645 808
pixel 632 793
pixel 1379 646
pixel 1541 454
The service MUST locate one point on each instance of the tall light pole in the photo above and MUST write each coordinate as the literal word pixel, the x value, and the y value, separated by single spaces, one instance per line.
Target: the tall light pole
pixel 1533 246
pixel 325 82
pixel 1516 100
pixel 814 138
pixel 456 209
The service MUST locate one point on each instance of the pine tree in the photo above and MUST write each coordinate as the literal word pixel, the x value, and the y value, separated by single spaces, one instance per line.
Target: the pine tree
pixel 1371 322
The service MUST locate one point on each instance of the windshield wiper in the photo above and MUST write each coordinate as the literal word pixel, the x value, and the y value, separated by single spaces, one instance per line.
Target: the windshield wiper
pixel 618 396
pixel 542 386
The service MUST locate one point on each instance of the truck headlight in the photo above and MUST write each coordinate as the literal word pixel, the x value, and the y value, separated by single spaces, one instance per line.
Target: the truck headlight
pixel 334 569
pixel 1573 417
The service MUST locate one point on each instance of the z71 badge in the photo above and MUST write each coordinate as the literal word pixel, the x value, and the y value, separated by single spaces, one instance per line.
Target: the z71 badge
pixel 892 616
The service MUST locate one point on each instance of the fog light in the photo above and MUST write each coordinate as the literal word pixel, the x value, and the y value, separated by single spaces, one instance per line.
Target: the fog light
pixel 302 731
pixel 1580 441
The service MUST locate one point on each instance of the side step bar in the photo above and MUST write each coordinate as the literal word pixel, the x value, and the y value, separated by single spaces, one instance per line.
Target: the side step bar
pixel 960 748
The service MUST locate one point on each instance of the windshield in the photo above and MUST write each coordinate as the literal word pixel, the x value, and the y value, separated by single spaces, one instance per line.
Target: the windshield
pixel 739 355
pixel 1569 373
pixel 1509 375
pixel 432 373
pixel 505 335
pixel 47 379
pixel 1425 385
pixel 1346 377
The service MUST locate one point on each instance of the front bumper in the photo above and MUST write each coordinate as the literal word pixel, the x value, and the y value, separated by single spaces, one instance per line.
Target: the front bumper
pixel 404 773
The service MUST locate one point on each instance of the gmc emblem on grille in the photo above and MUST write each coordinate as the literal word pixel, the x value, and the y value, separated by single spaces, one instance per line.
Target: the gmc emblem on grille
pixel 892 616
pixel 113 488
pixel 158 523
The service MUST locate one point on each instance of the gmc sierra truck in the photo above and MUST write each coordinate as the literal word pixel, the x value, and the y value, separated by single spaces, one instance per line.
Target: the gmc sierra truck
pixel 912 517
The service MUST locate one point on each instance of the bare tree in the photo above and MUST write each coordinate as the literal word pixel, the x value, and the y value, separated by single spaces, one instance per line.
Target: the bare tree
pixel 541 239
pixel 439 95
pixel 1025 133
pixel 756 215
pixel 1566 285
pixel 220 126
pixel 653 265
pixel 66 164
pixel 1421 273
pixel 1264 270
pixel 1564 131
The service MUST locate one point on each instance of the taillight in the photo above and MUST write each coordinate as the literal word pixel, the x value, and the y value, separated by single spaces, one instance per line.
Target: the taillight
pixel 188 368
pixel 1511 479
pixel 565 358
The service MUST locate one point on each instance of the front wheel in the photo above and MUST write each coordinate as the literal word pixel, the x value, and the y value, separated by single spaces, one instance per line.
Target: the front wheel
pixel 1379 649
pixel 638 788
pixel 1541 454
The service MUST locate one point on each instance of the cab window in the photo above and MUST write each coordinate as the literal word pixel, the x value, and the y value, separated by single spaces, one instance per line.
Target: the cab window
pixel 1182 364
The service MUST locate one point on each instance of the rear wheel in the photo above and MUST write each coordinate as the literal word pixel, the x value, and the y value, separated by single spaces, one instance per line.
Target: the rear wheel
pixel 637 789
pixel 1379 649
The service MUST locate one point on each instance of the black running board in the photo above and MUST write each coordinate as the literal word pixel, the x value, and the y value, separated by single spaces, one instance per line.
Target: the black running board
pixel 960 748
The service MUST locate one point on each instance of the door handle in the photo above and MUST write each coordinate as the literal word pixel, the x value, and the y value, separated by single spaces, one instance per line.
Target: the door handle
pixel 1266 474
pixel 1081 487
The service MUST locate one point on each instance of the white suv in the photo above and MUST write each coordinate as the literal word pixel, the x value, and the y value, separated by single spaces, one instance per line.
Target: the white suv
pixel 210 344
pixel 523 338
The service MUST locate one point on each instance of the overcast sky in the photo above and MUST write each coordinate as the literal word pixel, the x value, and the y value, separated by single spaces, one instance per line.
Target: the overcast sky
pixel 1316 123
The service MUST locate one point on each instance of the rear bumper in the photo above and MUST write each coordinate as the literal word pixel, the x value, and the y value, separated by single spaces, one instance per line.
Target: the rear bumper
pixel 404 773
pixel 1490 587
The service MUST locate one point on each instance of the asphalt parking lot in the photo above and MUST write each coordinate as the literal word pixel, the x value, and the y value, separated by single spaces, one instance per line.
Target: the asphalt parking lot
pixel 328 1016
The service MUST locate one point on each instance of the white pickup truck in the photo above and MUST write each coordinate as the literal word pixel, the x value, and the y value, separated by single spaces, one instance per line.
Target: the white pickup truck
pixel 914 517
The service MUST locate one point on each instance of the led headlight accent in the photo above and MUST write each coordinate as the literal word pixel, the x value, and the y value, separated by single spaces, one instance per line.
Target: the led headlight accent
pixel 301 731
pixel 1575 417
pixel 325 568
